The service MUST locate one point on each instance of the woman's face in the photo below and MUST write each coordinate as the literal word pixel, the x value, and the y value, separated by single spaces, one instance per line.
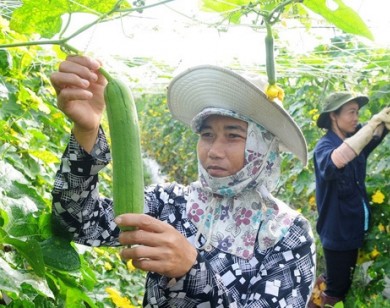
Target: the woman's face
pixel 345 122
pixel 221 145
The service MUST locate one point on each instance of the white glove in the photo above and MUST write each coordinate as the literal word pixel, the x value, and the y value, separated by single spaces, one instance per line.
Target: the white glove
pixel 384 117
pixel 358 141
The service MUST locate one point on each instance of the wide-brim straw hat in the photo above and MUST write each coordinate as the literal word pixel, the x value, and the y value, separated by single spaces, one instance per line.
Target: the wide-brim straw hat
pixel 336 100
pixel 207 86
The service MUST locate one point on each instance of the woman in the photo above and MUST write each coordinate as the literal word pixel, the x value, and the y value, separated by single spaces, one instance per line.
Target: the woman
pixel 340 160
pixel 222 241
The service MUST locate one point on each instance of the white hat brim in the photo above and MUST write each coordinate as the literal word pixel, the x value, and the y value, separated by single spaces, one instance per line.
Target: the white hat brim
pixel 207 86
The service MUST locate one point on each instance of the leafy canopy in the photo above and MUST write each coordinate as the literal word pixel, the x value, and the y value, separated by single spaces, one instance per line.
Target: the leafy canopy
pixel 45 17
pixel 335 12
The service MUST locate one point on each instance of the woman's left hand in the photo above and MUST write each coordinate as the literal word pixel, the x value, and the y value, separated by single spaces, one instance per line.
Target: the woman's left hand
pixel 158 247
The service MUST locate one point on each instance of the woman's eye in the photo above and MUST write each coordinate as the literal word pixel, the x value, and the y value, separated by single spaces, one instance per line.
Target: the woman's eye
pixel 205 134
pixel 235 136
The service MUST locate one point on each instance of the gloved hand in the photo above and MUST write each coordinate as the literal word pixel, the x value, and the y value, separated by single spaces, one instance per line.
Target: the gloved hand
pixel 358 141
pixel 384 117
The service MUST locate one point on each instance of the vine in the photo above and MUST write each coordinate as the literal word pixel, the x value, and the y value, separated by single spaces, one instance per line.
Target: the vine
pixel 105 17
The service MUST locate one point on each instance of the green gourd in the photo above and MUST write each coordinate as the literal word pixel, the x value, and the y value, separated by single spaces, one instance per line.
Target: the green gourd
pixel 128 176
pixel 269 54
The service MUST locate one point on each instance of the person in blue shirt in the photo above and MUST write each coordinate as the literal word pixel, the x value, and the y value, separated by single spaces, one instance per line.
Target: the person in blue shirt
pixel 340 160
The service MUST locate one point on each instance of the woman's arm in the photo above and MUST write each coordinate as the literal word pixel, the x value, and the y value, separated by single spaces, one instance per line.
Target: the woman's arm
pixel 77 207
pixel 287 273
pixel 282 276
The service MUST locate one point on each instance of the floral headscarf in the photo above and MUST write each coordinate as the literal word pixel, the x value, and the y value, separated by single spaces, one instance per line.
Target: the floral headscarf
pixel 232 212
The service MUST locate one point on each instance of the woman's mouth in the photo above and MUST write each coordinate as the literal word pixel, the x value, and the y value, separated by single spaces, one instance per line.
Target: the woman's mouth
pixel 215 170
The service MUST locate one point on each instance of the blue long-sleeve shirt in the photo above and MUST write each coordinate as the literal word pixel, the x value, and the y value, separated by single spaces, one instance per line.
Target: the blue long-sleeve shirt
pixel 341 195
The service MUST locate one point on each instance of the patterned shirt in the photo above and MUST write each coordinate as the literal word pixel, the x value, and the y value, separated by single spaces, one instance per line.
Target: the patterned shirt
pixel 280 276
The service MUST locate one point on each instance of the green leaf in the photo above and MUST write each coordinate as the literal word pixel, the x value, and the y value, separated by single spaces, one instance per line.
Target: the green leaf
pixel 23 226
pixel 60 254
pixel 44 16
pixel 20 189
pixel 343 17
pixel 7 281
pixel 12 279
pixel 229 8
pixel 88 275
pixel 76 297
pixel 235 9
pixel 5 62
pixel 3 217
pixel 37 17
pixel 45 156
pixel 31 251
pixel 223 6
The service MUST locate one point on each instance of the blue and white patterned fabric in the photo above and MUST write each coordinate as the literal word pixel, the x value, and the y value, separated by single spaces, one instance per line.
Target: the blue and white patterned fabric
pixel 281 275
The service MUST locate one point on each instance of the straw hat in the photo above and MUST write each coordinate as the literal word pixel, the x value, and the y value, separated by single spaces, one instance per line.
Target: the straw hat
pixel 206 86
pixel 336 100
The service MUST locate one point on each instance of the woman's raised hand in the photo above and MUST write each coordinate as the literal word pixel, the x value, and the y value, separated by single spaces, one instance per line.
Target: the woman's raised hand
pixel 80 95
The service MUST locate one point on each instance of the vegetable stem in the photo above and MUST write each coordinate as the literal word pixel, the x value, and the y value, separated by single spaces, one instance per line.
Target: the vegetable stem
pixel 105 74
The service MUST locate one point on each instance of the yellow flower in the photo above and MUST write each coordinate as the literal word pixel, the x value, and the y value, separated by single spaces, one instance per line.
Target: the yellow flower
pixel 374 253
pixel 274 91
pixel 312 202
pixel 130 266
pixel 118 256
pixel 111 291
pixel 362 257
pixel 378 197
pixel 107 266
pixel 381 227
pixel 316 293
pixel 118 300
pixel 57 115
pixel 99 251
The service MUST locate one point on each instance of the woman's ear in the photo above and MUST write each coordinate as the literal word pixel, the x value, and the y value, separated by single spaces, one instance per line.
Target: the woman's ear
pixel 332 116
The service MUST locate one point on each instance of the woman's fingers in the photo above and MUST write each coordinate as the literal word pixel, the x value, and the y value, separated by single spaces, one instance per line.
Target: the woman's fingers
pixel 155 245
pixel 154 263
pixel 149 231
pixel 75 72
pixel 84 67
pixel 74 94
pixel 162 260
pixel 149 238
pixel 142 222
pixel 142 252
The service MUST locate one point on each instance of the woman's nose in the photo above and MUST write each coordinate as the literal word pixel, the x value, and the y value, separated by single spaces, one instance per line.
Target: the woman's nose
pixel 217 149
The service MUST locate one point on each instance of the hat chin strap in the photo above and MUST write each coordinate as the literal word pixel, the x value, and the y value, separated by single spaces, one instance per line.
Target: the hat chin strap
pixel 340 132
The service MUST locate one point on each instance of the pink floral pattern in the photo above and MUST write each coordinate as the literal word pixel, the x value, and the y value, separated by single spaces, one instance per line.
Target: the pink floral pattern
pixel 195 212
pixel 249 239
pixel 243 216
